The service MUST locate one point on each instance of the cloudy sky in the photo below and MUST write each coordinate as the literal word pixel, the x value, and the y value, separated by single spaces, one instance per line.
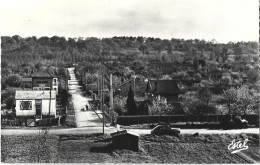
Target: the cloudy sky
pixel 223 20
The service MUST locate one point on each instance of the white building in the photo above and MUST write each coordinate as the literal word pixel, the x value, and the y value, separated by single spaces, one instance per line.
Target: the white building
pixel 35 103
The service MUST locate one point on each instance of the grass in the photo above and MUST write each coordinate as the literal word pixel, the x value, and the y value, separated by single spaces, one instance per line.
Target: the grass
pixel 96 148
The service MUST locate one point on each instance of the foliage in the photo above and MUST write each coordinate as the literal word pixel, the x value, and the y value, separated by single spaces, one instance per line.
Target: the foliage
pixel 119 106
pixel 246 99
pixel 253 75
pixel 9 98
pixel 189 100
pixel 204 95
pixel 130 103
pixel 200 108
pixel 13 80
pixel 231 97
pixel 160 107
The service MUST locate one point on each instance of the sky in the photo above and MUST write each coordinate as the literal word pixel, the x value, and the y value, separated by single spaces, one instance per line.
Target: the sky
pixel 222 20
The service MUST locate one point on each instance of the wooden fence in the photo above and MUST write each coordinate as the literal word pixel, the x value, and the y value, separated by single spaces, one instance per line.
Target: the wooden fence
pixel 130 120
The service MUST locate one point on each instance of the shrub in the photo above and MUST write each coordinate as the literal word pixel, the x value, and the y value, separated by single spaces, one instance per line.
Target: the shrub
pixel 13 80
pixel 119 106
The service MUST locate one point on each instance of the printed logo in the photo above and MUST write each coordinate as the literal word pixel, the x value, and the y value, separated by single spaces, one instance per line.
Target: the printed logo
pixel 237 146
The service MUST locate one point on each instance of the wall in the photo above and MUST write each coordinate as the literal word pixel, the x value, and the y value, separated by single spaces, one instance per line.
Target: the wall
pixel 26 84
pixel 55 85
pixel 25 112
pixel 129 120
pixel 35 84
pixel 45 107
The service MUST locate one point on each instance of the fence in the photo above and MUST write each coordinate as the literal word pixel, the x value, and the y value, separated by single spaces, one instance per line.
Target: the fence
pixel 129 120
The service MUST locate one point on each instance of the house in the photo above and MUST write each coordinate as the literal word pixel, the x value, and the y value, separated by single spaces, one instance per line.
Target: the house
pixel 44 80
pixel 163 88
pixel 125 140
pixel 138 85
pixel 35 103
pixel 165 68
pixel 26 83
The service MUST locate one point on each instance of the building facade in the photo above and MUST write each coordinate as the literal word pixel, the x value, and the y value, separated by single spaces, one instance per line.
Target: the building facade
pixel 44 81
pixel 35 103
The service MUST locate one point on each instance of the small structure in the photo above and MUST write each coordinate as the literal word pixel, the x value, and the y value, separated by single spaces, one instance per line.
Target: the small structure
pixel 36 104
pixel 125 140
pixel 44 80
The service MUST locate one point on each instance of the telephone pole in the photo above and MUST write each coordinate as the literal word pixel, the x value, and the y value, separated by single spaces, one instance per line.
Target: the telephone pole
pixel 111 99
pixel 102 99
pixel 50 109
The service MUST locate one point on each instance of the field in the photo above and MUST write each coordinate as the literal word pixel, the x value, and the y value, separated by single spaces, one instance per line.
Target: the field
pixel 96 148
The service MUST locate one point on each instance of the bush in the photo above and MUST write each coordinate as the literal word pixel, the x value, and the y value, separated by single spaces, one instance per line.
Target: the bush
pixel 119 106
pixel 13 80
pixel 202 108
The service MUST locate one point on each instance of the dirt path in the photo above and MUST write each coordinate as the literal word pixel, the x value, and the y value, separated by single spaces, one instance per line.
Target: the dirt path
pixel 83 118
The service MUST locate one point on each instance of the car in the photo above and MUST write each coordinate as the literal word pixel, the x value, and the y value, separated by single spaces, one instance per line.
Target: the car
pixel 234 122
pixel 165 130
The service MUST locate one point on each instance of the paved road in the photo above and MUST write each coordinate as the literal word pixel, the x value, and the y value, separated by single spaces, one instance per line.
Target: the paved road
pixel 108 130
pixel 83 118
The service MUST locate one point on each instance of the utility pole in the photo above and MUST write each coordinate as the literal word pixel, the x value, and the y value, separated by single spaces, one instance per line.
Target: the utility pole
pixel 102 99
pixel 111 98
pixel 50 109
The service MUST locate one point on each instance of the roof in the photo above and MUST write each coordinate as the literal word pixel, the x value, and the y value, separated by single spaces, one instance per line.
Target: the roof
pixel 32 94
pixel 26 79
pixel 124 132
pixel 42 74
pixel 163 87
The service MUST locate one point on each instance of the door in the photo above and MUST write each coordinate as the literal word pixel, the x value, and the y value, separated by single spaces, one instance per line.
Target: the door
pixel 38 104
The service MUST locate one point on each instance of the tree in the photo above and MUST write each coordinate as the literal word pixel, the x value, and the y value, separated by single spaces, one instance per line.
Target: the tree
pixel 130 103
pixel 189 100
pixel 142 48
pixel 224 54
pixel 13 80
pixel 119 106
pixel 246 98
pixel 231 97
pixel 253 75
pixel 204 95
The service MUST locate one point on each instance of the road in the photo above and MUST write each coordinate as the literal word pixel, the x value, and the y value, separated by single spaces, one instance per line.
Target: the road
pixel 83 118
pixel 108 130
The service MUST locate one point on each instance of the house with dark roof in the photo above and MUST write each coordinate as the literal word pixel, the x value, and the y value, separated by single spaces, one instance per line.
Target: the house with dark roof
pixel 138 85
pixel 44 80
pixel 168 89
pixel 35 103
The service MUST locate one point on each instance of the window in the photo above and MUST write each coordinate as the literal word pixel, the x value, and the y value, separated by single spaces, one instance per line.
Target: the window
pixel 42 82
pixel 55 83
pixel 25 105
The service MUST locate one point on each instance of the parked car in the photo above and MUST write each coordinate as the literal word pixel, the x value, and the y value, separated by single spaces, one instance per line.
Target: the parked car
pixel 234 122
pixel 165 130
